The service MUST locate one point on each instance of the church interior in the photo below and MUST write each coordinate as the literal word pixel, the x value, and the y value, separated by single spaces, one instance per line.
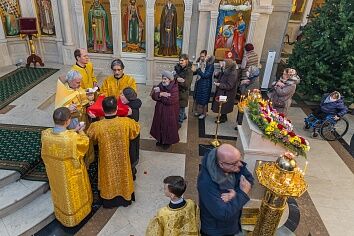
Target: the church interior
pixel 38 39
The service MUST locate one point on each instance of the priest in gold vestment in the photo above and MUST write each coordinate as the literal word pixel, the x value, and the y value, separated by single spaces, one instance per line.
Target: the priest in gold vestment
pixel 180 216
pixel 62 153
pixel 114 84
pixel 115 178
pixel 85 68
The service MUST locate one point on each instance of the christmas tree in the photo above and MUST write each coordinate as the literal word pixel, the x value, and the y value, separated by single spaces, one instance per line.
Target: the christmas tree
pixel 324 58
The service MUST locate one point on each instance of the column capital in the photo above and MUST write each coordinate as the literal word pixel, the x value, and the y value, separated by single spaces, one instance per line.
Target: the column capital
pixel 208 7
pixel 214 14
pixel 255 16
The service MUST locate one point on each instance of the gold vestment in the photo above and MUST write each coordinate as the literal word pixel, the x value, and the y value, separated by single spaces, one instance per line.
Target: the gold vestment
pixel 114 87
pixel 175 222
pixel 63 154
pixel 88 76
pixel 114 171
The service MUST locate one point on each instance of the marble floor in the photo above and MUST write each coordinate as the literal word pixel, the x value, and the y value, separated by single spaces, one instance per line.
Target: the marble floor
pixel 325 209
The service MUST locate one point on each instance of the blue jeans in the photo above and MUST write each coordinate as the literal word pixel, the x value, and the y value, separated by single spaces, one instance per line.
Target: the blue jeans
pixel 181 115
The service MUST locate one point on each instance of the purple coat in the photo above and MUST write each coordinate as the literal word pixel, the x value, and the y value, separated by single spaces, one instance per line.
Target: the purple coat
pixel 164 126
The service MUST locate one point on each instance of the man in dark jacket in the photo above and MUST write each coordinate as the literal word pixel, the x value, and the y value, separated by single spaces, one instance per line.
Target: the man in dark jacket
pixel 184 77
pixel 223 185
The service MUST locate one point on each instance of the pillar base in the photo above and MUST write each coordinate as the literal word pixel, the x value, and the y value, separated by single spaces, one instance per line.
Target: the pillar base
pixel 5 59
pixel 68 55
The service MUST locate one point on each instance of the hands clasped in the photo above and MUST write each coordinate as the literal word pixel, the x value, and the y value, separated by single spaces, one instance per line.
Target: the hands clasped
pixel 165 94
pixel 245 186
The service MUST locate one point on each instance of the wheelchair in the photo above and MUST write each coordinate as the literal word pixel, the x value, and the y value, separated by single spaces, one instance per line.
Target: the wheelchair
pixel 328 128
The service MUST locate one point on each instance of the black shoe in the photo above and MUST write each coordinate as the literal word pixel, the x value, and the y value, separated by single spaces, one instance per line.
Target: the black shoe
pixel 166 146
pixel 236 128
pixel 185 117
pixel 179 125
pixel 158 144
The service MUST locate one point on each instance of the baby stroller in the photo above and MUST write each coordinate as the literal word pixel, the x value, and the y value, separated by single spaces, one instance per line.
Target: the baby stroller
pixel 329 128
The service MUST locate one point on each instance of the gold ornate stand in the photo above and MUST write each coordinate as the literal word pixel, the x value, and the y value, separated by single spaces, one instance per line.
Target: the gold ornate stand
pixel 282 180
pixel 33 58
pixel 215 142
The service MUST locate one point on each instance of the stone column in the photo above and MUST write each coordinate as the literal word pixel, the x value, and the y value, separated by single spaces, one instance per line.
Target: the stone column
pixel 254 19
pixel 79 12
pixel 116 27
pixel 186 30
pixel 27 8
pixel 277 26
pixel 150 21
pixel 212 31
pixel 59 37
pixel 306 12
pixel 4 51
pixel 66 22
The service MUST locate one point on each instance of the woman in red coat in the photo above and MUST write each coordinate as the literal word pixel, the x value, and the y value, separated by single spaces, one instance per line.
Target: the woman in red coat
pixel 164 126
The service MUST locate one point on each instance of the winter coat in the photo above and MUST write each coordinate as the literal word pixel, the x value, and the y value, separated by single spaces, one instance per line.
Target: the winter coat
pixel 183 88
pixel 228 80
pixel 281 96
pixel 217 217
pixel 333 108
pixel 203 85
pixel 254 81
pixel 135 143
pixel 164 126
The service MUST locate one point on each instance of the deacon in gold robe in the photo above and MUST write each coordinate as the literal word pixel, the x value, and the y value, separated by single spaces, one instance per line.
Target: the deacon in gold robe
pixel 114 84
pixel 62 153
pixel 180 217
pixel 115 179
pixel 85 68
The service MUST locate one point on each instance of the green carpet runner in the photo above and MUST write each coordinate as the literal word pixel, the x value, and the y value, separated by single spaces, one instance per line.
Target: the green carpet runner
pixel 18 82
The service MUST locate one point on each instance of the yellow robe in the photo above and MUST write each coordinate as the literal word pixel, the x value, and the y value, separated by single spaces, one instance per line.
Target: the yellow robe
pixel 175 222
pixel 62 154
pixel 114 87
pixel 114 171
pixel 88 75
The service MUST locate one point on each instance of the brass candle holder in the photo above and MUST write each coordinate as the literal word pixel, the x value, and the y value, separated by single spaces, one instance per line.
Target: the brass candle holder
pixel 215 142
pixel 282 179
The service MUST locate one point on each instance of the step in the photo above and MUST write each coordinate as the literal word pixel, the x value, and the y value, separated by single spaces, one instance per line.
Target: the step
pixel 18 194
pixel 8 177
pixel 29 219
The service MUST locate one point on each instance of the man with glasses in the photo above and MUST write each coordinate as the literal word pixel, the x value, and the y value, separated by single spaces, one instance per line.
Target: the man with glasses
pixel 223 185
pixel 114 84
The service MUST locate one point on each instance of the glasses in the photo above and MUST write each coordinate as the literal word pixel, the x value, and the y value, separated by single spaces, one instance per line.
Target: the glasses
pixel 229 164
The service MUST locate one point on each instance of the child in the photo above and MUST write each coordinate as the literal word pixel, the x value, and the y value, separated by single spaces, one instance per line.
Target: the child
pixel 332 104
pixel 129 97
pixel 180 217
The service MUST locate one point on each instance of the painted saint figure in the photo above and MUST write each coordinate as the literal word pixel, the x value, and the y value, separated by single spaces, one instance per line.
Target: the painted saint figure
pixel 11 14
pixel 168 30
pixel 98 31
pixel 133 24
pixel 46 17
pixel 239 37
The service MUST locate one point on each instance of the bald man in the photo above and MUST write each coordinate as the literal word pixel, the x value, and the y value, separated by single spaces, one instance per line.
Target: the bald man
pixel 223 185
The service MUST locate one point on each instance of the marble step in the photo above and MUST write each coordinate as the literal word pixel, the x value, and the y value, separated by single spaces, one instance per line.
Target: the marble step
pixel 18 194
pixel 29 219
pixel 8 177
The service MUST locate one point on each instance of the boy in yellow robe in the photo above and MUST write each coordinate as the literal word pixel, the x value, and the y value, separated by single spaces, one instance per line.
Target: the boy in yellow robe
pixel 179 217
pixel 114 84
pixel 62 153
pixel 85 68
pixel 115 179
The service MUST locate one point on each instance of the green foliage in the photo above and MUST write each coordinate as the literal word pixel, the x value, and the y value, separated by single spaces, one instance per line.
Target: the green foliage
pixel 324 58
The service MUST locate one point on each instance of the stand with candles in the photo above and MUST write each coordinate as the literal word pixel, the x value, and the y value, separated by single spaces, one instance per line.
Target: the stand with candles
pixel 221 100
pixel 282 179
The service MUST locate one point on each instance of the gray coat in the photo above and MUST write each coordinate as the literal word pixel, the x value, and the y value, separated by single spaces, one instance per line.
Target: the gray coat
pixel 281 96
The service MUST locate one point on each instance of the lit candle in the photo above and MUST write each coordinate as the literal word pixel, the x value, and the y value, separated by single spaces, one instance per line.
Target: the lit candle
pixel 248 94
pixel 305 167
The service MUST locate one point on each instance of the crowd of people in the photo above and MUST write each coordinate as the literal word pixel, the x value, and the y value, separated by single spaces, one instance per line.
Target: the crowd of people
pixel 88 117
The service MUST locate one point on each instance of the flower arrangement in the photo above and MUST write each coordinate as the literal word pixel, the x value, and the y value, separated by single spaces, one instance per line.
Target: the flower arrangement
pixel 276 126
